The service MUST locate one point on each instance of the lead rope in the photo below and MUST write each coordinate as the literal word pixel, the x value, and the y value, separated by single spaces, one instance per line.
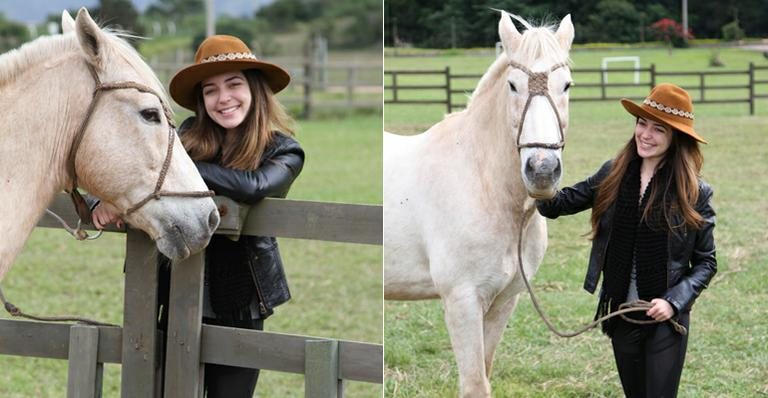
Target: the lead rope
pixel 17 312
pixel 624 308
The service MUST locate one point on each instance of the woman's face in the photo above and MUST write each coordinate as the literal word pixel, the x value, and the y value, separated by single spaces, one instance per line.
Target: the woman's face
pixel 227 98
pixel 652 139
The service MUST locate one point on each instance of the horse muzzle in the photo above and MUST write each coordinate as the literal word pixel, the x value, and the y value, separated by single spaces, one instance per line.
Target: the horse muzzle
pixel 542 172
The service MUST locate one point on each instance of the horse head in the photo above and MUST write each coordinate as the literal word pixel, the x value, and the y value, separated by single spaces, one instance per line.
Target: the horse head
pixel 128 141
pixel 537 83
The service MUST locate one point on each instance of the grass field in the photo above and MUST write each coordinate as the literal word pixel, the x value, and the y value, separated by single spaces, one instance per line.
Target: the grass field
pixel 728 346
pixel 336 287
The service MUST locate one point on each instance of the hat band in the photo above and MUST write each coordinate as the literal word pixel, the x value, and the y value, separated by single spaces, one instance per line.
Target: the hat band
pixel 667 109
pixel 228 57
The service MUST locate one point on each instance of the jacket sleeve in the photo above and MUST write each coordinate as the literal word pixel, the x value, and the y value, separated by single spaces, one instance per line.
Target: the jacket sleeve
pixel 271 179
pixel 571 200
pixel 703 258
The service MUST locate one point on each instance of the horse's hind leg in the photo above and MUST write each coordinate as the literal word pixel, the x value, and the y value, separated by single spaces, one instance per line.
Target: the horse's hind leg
pixel 494 323
pixel 464 320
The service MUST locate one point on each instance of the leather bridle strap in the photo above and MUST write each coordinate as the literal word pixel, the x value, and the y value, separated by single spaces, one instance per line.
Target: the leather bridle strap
pixel 538 85
pixel 83 211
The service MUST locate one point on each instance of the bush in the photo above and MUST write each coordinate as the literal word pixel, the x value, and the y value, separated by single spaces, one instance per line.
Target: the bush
pixel 732 31
pixel 671 32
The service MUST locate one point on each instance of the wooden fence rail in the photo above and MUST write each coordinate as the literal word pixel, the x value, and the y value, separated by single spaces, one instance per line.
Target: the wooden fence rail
pixel 138 345
pixel 443 93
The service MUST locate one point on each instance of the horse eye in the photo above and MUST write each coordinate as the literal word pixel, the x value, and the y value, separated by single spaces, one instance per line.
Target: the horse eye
pixel 567 86
pixel 151 115
pixel 512 87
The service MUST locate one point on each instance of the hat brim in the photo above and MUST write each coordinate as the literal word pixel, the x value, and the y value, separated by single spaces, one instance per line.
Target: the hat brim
pixel 661 117
pixel 183 83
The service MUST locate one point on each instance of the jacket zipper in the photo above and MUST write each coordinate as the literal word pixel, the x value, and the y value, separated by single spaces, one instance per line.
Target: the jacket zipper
pixel 262 307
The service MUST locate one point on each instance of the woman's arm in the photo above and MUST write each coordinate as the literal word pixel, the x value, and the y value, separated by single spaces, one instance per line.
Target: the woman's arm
pixel 703 257
pixel 272 178
pixel 571 200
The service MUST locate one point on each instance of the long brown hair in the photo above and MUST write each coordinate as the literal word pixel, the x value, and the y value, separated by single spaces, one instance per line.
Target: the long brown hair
pixel 205 140
pixel 685 158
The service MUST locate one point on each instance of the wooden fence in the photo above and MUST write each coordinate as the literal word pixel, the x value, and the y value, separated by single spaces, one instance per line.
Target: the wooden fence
pixel 442 86
pixel 138 345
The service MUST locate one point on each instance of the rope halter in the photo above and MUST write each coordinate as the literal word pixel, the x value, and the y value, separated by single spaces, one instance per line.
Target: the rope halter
pixel 538 84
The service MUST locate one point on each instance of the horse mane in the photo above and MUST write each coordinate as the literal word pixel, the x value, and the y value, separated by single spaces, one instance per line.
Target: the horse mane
pixel 537 42
pixel 39 51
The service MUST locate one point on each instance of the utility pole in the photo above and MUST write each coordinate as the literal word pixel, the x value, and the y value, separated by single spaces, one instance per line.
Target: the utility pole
pixel 685 19
pixel 210 19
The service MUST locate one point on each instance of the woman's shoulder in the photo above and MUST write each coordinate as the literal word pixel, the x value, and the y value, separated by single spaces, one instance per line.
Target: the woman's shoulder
pixel 705 190
pixel 283 141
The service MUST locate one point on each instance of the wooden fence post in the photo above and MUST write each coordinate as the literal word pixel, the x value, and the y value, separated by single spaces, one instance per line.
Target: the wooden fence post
pixel 351 78
pixel 653 76
pixel 448 89
pixel 751 88
pixel 321 370
pixel 140 342
pixel 85 373
pixel 308 76
pixel 394 86
pixel 183 369
pixel 701 86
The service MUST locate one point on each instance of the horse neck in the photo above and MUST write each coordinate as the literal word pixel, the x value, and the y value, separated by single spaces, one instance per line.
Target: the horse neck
pixel 36 130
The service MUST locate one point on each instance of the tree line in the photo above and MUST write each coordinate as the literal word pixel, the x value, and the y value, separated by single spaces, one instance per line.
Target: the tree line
pixel 473 23
pixel 345 24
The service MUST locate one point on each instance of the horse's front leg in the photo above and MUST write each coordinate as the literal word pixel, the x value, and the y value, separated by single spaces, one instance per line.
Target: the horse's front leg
pixel 464 320
pixel 494 323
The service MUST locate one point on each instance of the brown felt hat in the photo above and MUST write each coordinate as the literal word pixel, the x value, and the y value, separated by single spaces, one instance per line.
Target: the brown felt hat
pixel 220 54
pixel 667 104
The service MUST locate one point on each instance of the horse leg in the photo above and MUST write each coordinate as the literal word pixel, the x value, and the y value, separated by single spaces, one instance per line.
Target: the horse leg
pixel 464 320
pixel 494 323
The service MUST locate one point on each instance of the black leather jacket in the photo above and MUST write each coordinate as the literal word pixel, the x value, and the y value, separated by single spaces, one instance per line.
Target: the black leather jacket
pixel 691 261
pixel 281 163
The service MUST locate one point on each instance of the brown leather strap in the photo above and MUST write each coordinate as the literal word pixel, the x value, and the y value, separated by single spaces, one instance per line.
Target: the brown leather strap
pixel 83 211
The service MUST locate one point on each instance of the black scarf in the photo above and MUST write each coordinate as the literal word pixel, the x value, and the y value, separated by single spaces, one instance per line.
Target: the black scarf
pixel 644 240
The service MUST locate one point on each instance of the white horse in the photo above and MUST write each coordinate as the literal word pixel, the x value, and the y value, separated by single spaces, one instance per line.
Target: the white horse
pixel 454 196
pixel 46 87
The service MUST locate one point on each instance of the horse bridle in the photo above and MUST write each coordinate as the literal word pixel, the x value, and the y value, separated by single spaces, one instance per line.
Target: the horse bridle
pixel 83 210
pixel 538 85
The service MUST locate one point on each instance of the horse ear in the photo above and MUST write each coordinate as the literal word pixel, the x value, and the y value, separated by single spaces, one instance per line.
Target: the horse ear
pixel 510 37
pixel 67 23
pixel 565 33
pixel 91 38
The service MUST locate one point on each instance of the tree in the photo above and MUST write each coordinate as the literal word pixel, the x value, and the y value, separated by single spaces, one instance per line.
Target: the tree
pixel 119 14
pixel 12 34
pixel 175 10
pixel 671 32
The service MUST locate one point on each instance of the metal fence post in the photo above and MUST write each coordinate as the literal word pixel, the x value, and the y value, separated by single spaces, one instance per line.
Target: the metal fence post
pixel 85 373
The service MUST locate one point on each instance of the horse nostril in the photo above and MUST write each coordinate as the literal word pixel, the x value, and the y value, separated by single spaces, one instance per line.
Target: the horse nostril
pixel 558 169
pixel 213 220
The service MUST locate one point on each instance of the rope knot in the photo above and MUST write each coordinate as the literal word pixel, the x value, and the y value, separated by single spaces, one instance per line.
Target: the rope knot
pixel 537 83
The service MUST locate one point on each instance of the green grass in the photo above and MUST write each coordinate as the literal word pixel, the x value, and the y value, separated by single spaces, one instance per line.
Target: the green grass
pixel 727 353
pixel 336 287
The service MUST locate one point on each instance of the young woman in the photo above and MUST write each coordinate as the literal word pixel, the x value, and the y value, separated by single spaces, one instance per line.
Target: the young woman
pixel 239 139
pixel 652 238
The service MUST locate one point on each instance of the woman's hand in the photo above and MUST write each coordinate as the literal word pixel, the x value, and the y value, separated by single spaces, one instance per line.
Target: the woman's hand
pixel 105 214
pixel 661 311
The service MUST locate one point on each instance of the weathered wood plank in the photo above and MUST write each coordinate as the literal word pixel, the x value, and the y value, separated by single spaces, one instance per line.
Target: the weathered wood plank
pixel 361 362
pixel 335 222
pixel 84 374
pixel 183 372
pixel 140 343
pixel 321 364
pixel 51 340
pixel 285 352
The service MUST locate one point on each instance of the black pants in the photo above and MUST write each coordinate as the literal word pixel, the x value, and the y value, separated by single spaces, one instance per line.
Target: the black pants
pixel 650 358
pixel 231 381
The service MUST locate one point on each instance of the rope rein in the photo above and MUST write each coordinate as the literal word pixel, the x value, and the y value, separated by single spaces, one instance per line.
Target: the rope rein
pixel 624 308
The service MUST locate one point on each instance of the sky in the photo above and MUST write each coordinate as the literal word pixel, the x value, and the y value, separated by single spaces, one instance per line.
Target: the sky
pixel 35 11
